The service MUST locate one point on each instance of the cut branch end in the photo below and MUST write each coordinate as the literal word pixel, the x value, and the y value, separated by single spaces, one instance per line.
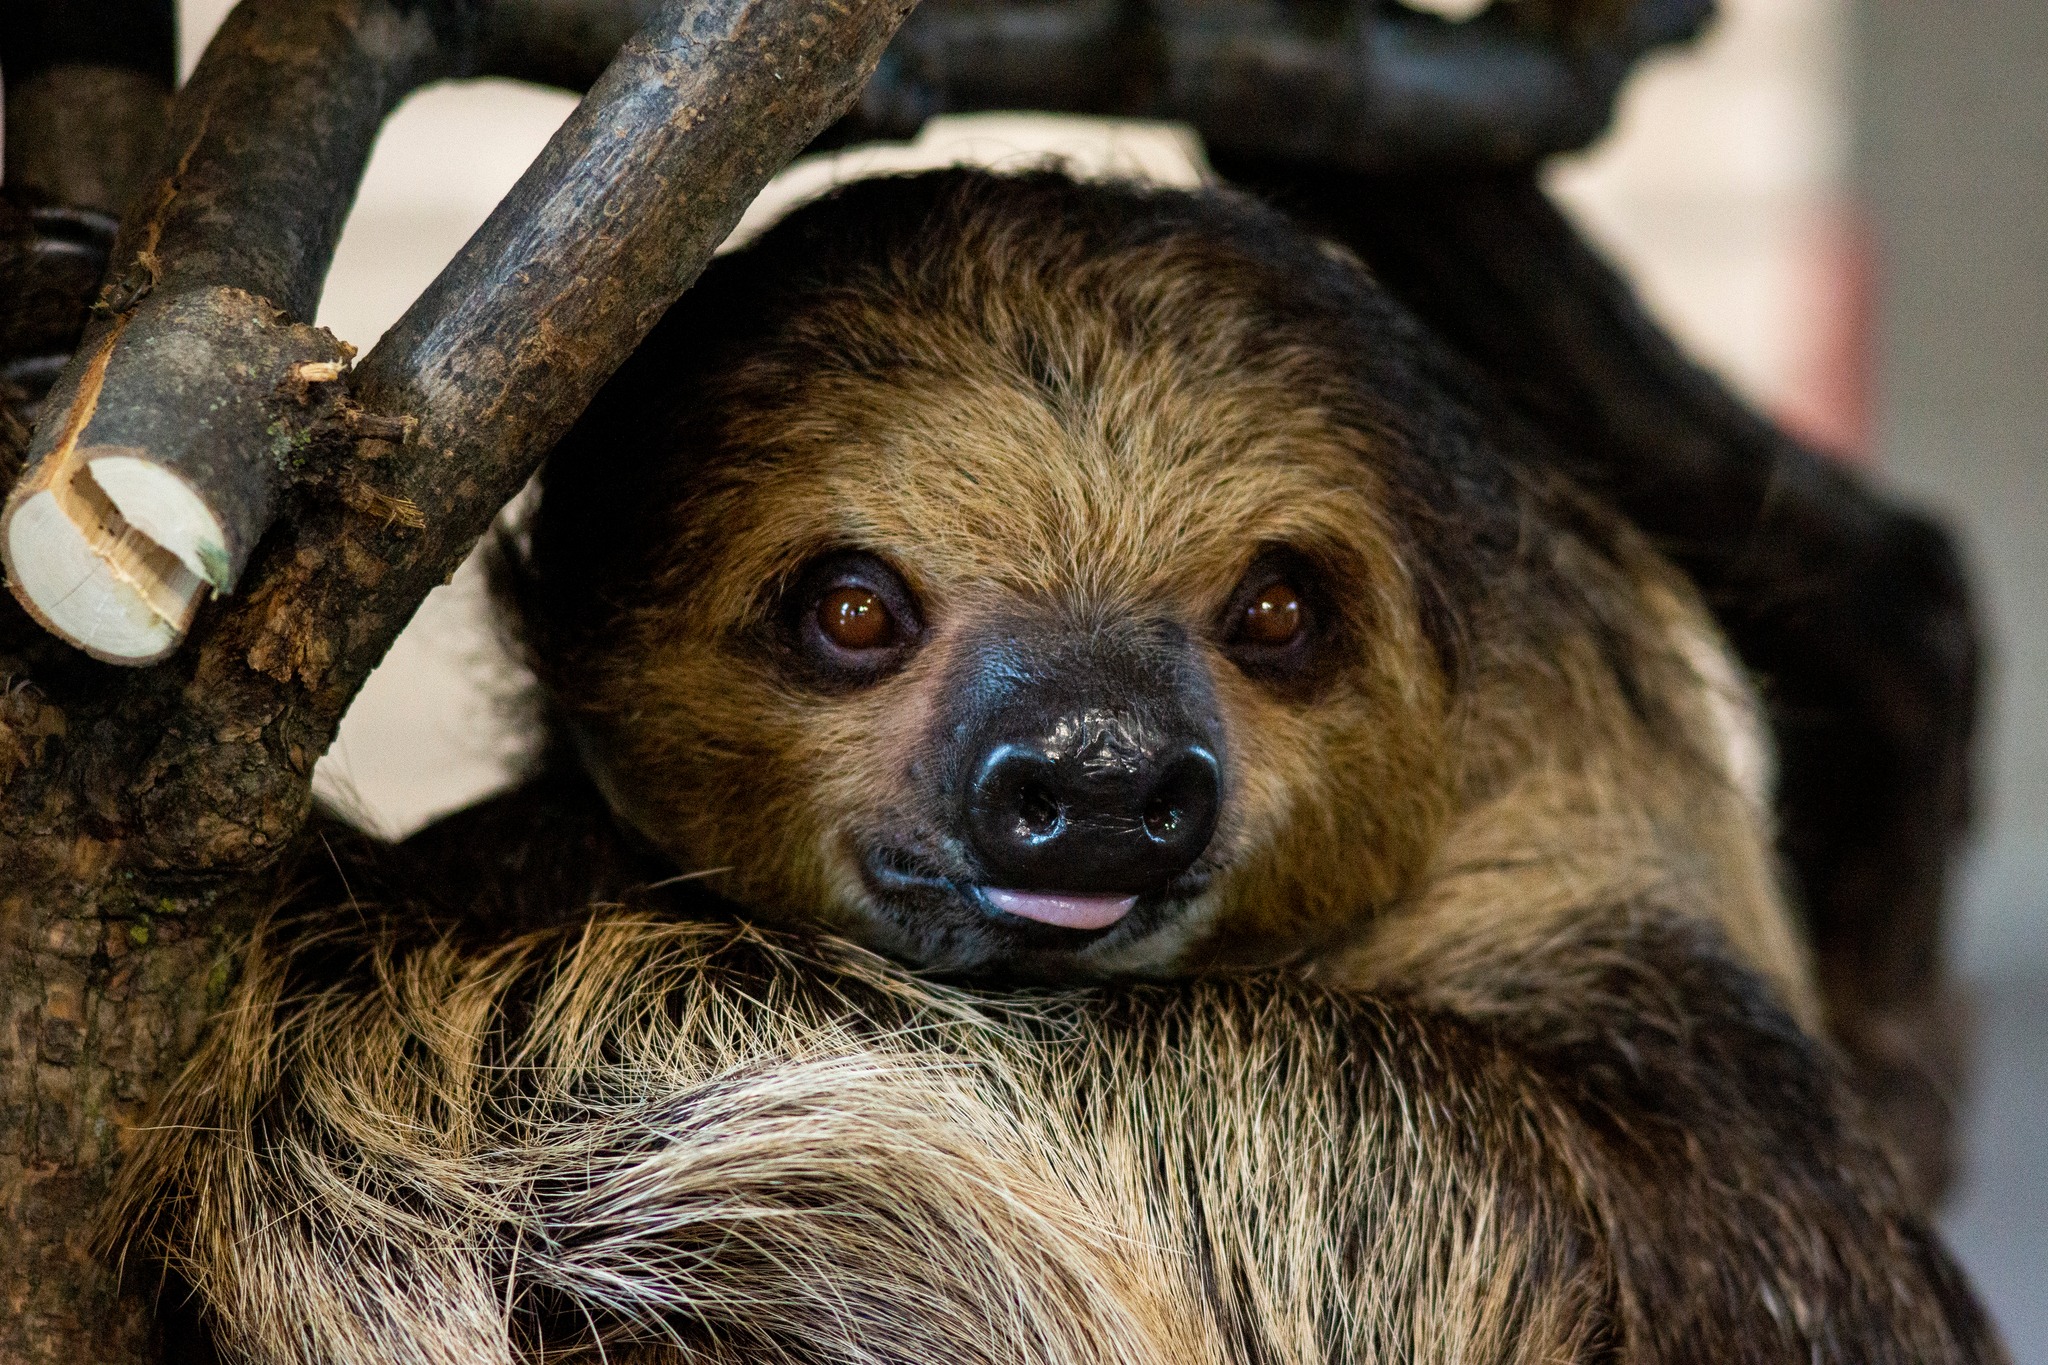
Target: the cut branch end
pixel 160 466
pixel 94 577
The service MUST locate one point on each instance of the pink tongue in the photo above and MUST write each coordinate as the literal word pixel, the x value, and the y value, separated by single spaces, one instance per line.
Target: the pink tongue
pixel 1068 912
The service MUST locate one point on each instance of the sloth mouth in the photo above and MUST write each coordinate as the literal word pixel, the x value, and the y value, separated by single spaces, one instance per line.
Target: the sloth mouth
pixel 908 886
pixel 1067 911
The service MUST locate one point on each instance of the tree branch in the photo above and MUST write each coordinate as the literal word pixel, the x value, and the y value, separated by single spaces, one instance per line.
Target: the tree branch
pixel 138 807
pixel 167 453
pixel 1363 85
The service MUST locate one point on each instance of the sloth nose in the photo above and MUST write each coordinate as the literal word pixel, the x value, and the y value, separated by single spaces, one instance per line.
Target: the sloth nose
pixel 1123 821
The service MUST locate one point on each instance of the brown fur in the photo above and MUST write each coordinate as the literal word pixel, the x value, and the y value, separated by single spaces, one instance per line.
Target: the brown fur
pixel 718 1144
pixel 1483 1043
pixel 1145 420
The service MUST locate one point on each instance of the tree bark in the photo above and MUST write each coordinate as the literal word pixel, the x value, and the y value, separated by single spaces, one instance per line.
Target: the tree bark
pixel 140 810
pixel 1361 85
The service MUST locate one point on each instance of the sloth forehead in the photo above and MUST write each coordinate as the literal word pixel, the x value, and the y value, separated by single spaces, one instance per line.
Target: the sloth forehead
pixel 1069 468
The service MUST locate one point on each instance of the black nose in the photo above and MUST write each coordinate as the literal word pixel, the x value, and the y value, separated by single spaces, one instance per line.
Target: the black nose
pixel 1109 814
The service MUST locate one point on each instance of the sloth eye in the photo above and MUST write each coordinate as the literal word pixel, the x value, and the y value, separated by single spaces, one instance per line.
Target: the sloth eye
pixel 854 618
pixel 1273 617
pixel 851 619
pixel 1273 623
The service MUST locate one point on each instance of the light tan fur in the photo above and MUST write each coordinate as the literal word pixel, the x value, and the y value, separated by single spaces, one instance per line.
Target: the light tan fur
pixel 804 1144
pixel 1563 820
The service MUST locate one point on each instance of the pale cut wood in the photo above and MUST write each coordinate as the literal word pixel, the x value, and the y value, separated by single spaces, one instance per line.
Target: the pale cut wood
pixel 89 576
pixel 78 566
pixel 160 466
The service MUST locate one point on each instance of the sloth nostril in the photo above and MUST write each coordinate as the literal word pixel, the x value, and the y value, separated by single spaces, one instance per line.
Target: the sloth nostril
pixel 1180 810
pixel 1038 814
pixel 1163 820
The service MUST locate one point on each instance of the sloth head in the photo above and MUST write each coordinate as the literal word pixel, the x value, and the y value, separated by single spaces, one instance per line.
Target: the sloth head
pixel 1020 575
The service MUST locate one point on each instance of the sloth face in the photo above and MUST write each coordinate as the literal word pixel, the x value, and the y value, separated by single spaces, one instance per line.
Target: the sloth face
pixel 1049 612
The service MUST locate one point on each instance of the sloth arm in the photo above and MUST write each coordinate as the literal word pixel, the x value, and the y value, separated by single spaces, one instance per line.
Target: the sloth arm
pixel 1743 1206
pixel 1608 918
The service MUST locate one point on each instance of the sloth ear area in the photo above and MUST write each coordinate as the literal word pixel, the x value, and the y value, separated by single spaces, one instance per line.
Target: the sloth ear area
pixel 849 619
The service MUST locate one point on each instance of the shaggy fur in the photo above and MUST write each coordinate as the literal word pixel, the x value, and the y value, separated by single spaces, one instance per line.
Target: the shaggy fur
pixel 1481 1040
pixel 715 1144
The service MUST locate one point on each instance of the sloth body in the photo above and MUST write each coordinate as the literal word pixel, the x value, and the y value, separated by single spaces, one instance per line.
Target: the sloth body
pixel 1033 584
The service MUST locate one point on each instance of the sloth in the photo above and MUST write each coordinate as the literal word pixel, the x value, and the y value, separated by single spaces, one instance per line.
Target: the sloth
pixel 1104 803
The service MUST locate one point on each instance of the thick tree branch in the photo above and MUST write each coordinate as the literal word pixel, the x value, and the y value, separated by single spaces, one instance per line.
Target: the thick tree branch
pixel 557 42
pixel 168 450
pixel 1366 84
pixel 138 808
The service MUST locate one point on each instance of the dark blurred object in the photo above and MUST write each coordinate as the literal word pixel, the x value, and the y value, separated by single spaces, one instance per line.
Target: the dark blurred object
pixel 1364 84
pixel 1367 84
pixel 51 261
pixel 88 88
pixel 130 35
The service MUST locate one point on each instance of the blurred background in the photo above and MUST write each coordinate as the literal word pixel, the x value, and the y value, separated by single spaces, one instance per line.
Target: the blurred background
pixel 1841 205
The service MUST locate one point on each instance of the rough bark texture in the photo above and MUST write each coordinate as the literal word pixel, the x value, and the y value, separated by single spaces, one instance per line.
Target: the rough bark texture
pixel 197 331
pixel 139 809
pixel 190 384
